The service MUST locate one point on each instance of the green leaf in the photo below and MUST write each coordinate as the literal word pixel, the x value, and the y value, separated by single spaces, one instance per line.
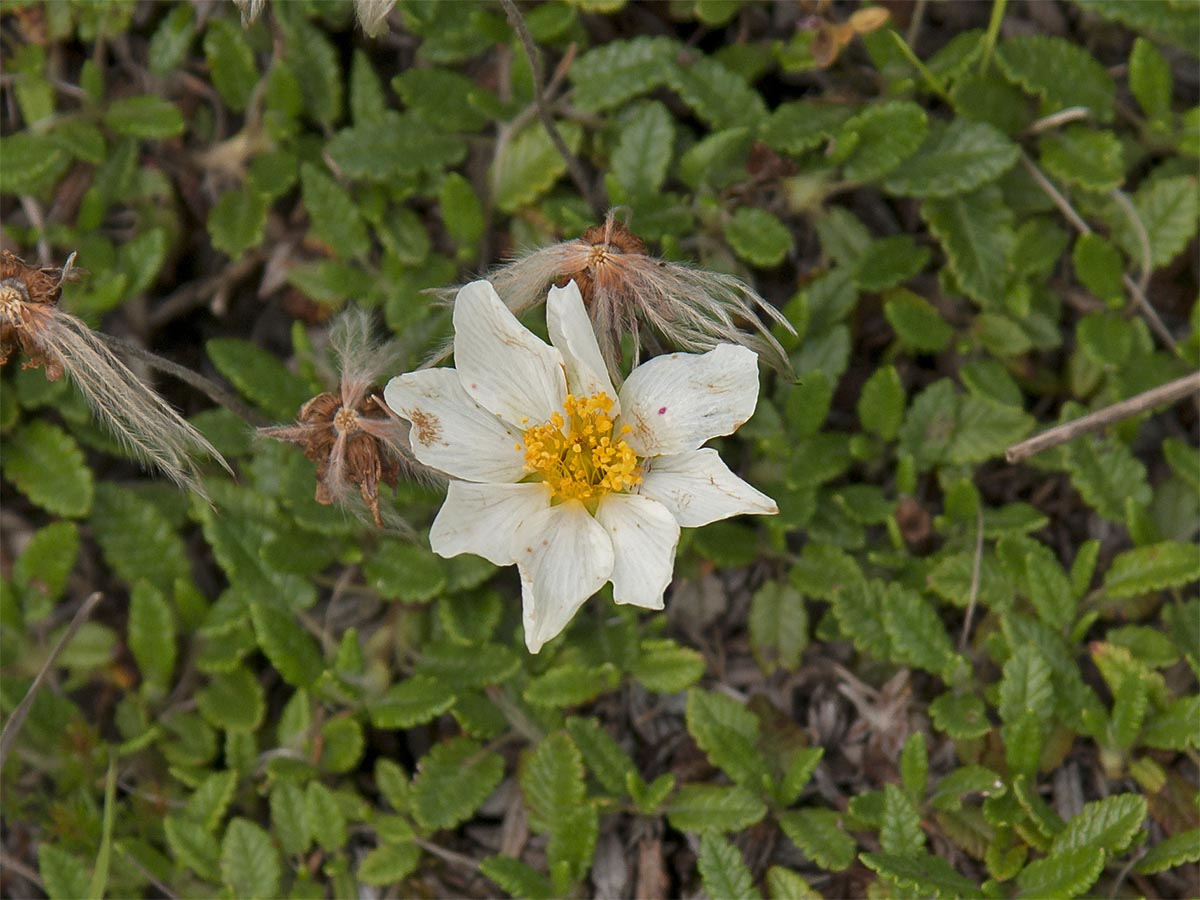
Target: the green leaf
pixel 644 149
pixel 1085 157
pixel 230 62
pixel 1060 72
pixel 881 404
pixel 151 635
pixel 611 74
pixel 47 560
pixel 314 62
pixel 400 570
pixel 975 231
pixel 1174 851
pixel 1109 825
pixel 211 799
pixel 900 832
pixel 955 159
pixel 723 872
pixel 249 862
pixel 171 40
pixel 784 884
pixel 392 147
pixel 922 875
pixel 63 875
pixel 960 716
pixel 292 651
pixel 233 701
pixel 890 261
pixel 1150 79
pixel 47 466
pixel 332 214
pixel 972 779
pixel 716 95
pixel 821 834
pixel 290 821
pixel 456 777
pixel 916 632
pixel 758 237
pixel 799 126
pixel 192 846
pixel 665 667
pixel 325 816
pixel 571 685
pixel 32 163
pixel 1173 727
pixel 914 766
pixel 1169 209
pixel 414 700
pixel 1105 472
pixel 138 540
pixel 917 323
pixel 1049 589
pixel 389 864
pixel 1027 685
pixel 883 136
pixel 516 878
pixel 1156 567
pixel 605 759
pixel 1098 266
pixel 237 221
pixel 462 213
pixel 442 98
pixel 144 117
pixel 727 732
pixel 1066 874
pixel 712 807
pixel 527 166
pixel 778 627
pixel 551 780
pixel 468 667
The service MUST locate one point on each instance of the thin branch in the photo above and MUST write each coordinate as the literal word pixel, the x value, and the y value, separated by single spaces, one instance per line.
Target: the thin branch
pixel 539 94
pixel 976 567
pixel 1068 431
pixel 1062 117
pixel 1139 229
pixel 12 727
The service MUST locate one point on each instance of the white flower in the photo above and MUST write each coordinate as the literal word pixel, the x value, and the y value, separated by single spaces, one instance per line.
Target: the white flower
pixel 576 484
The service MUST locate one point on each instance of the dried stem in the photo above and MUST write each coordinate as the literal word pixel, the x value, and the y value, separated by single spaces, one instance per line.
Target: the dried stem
pixel 12 727
pixel 976 567
pixel 1068 431
pixel 539 94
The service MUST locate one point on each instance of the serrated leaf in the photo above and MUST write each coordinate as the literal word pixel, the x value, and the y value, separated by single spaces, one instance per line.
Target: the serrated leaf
pixel 47 560
pixel 47 466
pixel 236 222
pixel 665 667
pixel 571 685
pixel 798 126
pixel 1027 686
pixel 716 95
pixel 890 261
pixel 193 847
pixel 644 149
pixel 1174 726
pixel 881 404
pixel 332 214
pixel 1174 851
pixel 461 211
pixel 456 776
pixel 63 875
pixel 723 872
pixel 1105 472
pixel 1109 825
pixel 1169 209
pixel 758 237
pixel 950 791
pixel 712 807
pixel 325 817
pixel 211 799
pixel 1150 79
pixel 259 375
pixel 727 732
pixel 290 821
pixel 551 779
pixel 609 75
pixel 1067 874
pixel 400 570
pixel 778 627
pixel 604 758
pixel 528 165
pixel 914 766
pixel 517 878
pixel 291 650
pixel 975 231
pixel 1085 157
pixel 1058 71
pixel 885 135
pixel 859 612
pixel 314 62
pixel 784 884
pixel 1098 266
pixel 389 864
pixel 230 63
pixel 138 541
pixel 821 834
pixel 233 701
pixel 916 632
pixel 171 40
pixel 414 700
pixel 900 832
pixel 442 98
pixel 468 667
pixel 151 635
pixel 925 875
pixel 916 321
pixel 393 146
pixel 1049 589
pixel 144 117
pixel 955 159
pixel 249 861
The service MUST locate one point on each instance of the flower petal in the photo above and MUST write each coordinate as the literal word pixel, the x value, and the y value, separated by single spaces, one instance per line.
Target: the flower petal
pixel 572 333
pixel 453 433
pixel 644 536
pixel 676 402
pixel 480 518
pixel 505 367
pixel 564 557
pixel 698 488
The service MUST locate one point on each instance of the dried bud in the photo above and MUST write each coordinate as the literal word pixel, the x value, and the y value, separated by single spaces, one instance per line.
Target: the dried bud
pixel 31 321
pixel 354 438
pixel 627 292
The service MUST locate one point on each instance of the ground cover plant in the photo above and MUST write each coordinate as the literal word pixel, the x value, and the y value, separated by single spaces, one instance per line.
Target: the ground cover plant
pixel 937 671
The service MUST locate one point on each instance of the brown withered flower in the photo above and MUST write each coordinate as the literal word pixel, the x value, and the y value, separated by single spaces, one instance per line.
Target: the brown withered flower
pixel 32 322
pixel 660 304
pixel 354 438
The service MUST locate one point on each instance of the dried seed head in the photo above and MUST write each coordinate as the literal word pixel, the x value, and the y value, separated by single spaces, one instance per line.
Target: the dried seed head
pixel 150 430
pixel 354 438
pixel 660 304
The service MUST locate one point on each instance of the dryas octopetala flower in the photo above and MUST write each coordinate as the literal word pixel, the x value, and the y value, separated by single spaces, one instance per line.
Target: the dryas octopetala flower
pixel 661 304
pixel 352 436
pixel 32 321
pixel 558 472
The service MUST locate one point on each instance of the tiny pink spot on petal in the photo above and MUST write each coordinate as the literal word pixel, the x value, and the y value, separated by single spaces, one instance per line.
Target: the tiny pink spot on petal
pixel 662 410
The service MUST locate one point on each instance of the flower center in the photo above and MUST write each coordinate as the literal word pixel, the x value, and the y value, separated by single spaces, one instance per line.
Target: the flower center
pixel 578 456
pixel 345 421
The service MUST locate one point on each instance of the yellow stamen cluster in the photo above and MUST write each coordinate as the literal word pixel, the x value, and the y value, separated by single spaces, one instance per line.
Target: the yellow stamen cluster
pixel 578 456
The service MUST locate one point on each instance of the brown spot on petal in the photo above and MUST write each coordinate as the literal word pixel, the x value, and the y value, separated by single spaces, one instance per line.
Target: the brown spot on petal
pixel 428 426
